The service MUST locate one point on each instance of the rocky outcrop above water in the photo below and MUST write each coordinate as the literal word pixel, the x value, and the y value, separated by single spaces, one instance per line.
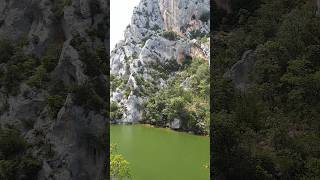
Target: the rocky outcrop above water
pixel 161 36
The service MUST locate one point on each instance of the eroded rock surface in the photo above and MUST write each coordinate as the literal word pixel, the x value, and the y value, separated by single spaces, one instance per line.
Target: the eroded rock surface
pixel 161 36
pixel 239 73
pixel 69 145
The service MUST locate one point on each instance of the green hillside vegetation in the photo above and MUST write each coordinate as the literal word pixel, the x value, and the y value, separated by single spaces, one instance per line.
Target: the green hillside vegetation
pixel 15 161
pixel 271 131
pixel 18 68
pixel 190 105
pixel 119 167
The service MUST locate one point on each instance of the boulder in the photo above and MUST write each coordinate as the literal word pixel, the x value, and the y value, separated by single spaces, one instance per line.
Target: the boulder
pixel 175 124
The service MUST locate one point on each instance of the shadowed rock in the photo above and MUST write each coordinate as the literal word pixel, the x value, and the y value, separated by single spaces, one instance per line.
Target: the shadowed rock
pixel 240 71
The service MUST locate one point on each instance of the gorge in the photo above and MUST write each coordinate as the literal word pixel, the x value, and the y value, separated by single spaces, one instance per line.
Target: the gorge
pixel 166 49
pixel 159 83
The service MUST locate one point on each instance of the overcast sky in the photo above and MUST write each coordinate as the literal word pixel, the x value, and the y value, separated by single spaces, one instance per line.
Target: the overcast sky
pixel 120 16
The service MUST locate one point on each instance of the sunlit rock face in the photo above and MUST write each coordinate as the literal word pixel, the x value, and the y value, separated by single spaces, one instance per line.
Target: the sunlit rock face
pixel 149 55
pixel 184 16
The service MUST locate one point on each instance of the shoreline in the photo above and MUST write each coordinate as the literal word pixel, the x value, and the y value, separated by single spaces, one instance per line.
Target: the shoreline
pixel 160 127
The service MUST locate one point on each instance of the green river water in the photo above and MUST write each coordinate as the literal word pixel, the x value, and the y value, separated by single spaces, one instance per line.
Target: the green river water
pixel 162 154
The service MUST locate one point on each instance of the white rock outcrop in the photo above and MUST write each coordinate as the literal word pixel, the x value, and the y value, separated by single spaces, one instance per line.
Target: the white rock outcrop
pixel 146 53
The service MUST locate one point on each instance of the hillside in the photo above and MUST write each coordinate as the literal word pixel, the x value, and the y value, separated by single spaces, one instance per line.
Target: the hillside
pixel 265 90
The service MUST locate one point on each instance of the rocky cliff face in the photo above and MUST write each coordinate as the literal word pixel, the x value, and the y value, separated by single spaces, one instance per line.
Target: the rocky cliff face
pixel 74 135
pixel 162 35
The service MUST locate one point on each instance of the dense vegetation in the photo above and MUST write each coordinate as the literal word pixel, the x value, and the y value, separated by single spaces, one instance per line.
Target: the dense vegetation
pixel 177 101
pixel 119 167
pixel 270 130
pixel 25 74
pixel 18 67
pixel 15 161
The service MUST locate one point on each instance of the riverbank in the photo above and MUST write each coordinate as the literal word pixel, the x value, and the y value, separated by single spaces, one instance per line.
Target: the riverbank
pixel 157 126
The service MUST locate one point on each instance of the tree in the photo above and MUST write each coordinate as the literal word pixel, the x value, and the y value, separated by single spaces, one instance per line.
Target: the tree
pixel 119 167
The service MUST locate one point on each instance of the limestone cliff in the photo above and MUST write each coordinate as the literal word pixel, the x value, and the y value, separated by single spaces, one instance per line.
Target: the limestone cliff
pixel 65 131
pixel 161 36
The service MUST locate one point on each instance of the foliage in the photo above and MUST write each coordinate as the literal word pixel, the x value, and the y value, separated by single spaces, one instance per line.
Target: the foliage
pixel 86 96
pixel 115 111
pixel 50 62
pixel 39 78
pixel 94 7
pixel 14 162
pixel 6 51
pixel 77 41
pixel 176 102
pixel 11 142
pixel 55 103
pixel 170 35
pixel 119 167
pixel 195 34
pixel 204 40
pixel 116 82
pixel 95 61
pixel 17 67
pixel 11 79
pixel 269 131
pixel 205 17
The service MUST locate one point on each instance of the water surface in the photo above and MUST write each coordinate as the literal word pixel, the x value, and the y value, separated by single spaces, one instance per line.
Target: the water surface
pixel 162 154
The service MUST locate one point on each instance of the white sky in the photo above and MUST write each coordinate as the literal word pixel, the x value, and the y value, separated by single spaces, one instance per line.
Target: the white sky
pixel 120 16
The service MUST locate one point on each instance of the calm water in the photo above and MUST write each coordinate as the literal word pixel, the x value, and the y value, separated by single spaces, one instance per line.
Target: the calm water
pixel 162 154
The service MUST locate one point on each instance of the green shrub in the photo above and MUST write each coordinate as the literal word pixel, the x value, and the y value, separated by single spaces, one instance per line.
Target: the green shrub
pixel 7 50
pixel 205 16
pixel 115 111
pixel 8 169
pixel 28 66
pixel 85 95
pixel 170 35
pixel 29 167
pixel 55 103
pixel 49 63
pixel 155 27
pixel 11 79
pixel 96 62
pixel 195 34
pixel 5 107
pixel 19 165
pixel 77 41
pixel 119 167
pixel 58 88
pixel 11 143
pixel 14 162
pixel 102 60
pixel 204 40
pixel 39 78
pixel 95 7
pixel 127 92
